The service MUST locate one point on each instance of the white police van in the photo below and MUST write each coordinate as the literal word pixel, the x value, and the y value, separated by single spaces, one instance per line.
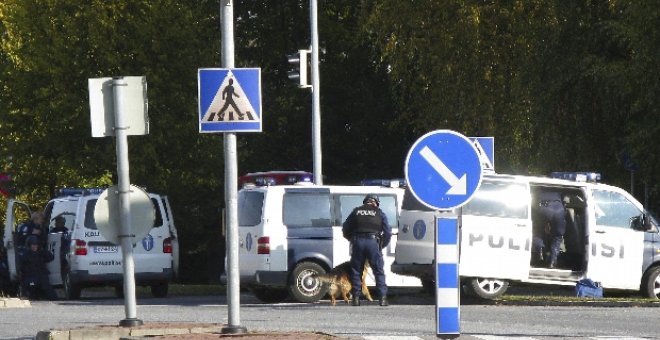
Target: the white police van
pixel 83 258
pixel 609 237
pixel 287 233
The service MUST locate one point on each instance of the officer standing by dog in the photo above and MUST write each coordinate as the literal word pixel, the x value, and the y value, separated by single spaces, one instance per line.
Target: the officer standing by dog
pixel 368 231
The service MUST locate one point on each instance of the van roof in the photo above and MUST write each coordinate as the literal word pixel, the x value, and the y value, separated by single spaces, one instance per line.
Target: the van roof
pixel 361 189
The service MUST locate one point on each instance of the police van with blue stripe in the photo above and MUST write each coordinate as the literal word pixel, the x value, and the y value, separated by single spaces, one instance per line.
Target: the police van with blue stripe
pixel 289 233
pixel 83 257
pixel 609 238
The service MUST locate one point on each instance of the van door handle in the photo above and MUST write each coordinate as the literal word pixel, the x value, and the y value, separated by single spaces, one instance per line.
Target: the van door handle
pixel 521 225
pixel 600 231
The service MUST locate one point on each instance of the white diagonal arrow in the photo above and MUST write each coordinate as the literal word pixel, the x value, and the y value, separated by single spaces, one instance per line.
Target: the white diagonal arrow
pixel 457 186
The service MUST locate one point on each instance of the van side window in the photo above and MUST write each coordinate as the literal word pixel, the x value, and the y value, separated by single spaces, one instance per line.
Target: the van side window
pixel 90 223
pixel 614 209
pixel 158 221
pixel 411 203
pixel 350 202
pixel 508 200
pixel 307 210
pixel 250 208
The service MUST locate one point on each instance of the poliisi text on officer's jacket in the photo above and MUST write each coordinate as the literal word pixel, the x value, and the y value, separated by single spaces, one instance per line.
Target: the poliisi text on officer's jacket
pixel 366 212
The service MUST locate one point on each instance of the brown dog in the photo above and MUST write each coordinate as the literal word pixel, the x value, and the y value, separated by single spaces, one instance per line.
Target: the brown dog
pixel 339 279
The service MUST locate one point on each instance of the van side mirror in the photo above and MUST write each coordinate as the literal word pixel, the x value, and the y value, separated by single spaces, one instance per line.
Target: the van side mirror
pixel 641 222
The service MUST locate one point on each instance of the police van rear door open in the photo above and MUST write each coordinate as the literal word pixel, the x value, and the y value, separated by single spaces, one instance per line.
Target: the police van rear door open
pixel 496 232
pixel 615 249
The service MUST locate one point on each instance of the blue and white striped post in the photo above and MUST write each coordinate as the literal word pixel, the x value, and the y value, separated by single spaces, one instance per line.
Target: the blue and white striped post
pixel 447 294
pixel 443 170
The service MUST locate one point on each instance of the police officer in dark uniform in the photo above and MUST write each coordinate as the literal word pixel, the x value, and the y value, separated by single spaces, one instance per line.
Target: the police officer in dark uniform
pixel 552 215
pixel 368 231
pixel 34 273
pixel 31 227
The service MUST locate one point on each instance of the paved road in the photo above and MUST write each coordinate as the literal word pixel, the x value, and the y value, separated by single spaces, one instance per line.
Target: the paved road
pixel 407 318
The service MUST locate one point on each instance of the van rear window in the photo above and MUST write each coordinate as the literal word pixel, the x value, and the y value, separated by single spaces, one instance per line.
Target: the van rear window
pixel 250 208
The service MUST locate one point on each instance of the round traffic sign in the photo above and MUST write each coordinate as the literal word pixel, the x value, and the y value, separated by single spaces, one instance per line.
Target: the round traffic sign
pixel 443 169
pixel 106 214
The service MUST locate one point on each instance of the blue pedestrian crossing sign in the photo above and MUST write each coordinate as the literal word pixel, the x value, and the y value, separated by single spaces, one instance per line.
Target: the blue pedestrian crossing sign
pixel 443 169
pixel 229 99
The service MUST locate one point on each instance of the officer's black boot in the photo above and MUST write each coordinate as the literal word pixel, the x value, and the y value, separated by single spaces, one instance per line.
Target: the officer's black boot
pixel 383 301
pixel 355 300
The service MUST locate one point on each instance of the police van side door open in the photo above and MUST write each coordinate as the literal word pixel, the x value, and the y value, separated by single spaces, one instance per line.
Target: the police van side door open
pixel 615 248
pixel 16 213
pixel 496 232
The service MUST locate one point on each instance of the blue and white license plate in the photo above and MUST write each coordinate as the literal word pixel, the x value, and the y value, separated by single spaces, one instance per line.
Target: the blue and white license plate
pixel 106 249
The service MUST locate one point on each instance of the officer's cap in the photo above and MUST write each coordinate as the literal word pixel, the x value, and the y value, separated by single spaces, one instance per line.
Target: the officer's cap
pixel 371 197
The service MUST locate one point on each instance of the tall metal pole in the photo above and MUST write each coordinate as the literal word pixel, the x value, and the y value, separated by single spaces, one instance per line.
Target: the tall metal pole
pixel 231 185
pixel 316 95
pixel 124 186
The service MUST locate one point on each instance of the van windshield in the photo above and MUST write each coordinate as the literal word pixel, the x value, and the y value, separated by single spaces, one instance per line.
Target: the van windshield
pixel 250 208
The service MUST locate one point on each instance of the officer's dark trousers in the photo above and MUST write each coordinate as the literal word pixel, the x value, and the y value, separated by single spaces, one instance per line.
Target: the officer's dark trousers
pixel 38 287
pixel 367 248
pixel 555 215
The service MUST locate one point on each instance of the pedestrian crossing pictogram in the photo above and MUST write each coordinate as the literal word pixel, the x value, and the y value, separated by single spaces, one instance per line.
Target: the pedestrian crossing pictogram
pixel 230 104
pixel 230 100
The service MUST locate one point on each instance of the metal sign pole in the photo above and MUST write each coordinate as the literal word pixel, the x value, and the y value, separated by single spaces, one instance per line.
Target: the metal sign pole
pixel 231 185
pixel 121 135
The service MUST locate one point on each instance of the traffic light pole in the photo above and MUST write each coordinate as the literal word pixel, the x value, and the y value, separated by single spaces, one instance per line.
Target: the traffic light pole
pixel 316 95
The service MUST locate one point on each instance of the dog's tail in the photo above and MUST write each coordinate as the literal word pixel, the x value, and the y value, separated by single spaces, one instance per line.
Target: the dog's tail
pixel 327 278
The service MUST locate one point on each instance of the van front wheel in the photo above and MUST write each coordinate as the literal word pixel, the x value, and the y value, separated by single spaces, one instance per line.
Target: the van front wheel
pixel 303 287
pixel 486 288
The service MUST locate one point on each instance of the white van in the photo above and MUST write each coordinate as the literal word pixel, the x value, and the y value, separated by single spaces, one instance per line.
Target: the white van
pixel 83 258
pixel 609 237
pixel 288 233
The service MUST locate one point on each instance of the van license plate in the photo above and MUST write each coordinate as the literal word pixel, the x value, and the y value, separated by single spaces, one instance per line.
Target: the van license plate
pixel 105 249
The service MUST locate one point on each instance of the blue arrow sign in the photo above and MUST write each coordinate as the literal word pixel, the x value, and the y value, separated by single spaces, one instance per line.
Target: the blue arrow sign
pixel 443 169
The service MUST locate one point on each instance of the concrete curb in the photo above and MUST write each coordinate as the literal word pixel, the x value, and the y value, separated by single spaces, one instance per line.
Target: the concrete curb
pixel 139 332
pixel 14 303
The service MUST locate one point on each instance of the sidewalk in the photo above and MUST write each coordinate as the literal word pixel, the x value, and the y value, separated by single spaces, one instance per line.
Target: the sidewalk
pixel 14 303
pixel 170 331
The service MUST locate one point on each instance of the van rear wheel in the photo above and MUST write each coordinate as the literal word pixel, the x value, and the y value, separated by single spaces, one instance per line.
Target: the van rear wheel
pixel 651 283
pixel 486 288
pixel 71 290
pixel 302 286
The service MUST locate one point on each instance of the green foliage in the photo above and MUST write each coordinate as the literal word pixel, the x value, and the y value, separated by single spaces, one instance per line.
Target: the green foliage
pixel 560 85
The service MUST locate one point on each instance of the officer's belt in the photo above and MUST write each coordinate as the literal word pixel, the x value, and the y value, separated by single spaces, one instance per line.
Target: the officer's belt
pixel 365 235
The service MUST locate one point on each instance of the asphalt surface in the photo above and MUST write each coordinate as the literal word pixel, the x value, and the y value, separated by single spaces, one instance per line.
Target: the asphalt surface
pixel 182 330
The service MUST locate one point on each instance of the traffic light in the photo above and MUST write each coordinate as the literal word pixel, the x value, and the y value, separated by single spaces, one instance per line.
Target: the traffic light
pixel 298 73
